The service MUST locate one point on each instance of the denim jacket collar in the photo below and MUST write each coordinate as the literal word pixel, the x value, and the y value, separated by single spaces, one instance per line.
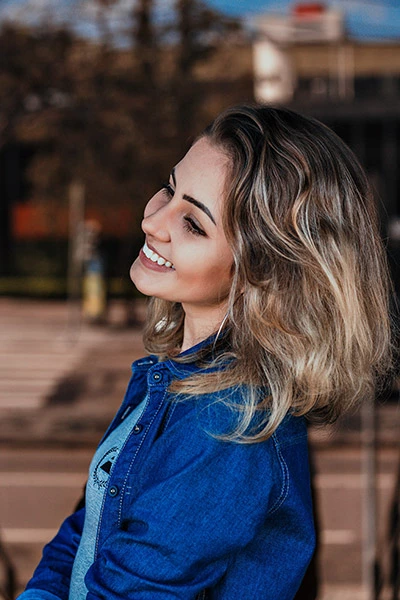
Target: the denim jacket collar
pixel 178 369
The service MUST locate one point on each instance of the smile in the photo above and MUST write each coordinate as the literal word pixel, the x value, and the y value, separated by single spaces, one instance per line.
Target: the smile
pixel 156 258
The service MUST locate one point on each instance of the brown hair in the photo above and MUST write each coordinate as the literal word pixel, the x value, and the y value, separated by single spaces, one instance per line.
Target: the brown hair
pixel 308 315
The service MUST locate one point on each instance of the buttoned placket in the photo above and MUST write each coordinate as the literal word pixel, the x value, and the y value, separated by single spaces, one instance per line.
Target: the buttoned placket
pixel 123 477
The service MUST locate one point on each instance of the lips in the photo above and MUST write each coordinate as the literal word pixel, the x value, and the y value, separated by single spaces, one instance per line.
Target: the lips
pixel 155 257
pixel 154 261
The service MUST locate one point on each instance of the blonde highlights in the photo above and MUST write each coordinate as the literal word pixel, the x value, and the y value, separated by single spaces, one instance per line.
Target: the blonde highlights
pixel 308 327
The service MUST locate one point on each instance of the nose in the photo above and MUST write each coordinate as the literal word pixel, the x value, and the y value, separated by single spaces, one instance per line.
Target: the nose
pixel 155 219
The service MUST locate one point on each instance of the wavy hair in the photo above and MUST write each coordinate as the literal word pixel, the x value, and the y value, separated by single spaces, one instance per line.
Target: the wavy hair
pixel 308 317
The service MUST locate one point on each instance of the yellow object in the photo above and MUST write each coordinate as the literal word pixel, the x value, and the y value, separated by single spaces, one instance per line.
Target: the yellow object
pixel 94 296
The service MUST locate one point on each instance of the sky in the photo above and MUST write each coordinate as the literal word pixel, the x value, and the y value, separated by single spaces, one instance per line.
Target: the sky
pixel 365 19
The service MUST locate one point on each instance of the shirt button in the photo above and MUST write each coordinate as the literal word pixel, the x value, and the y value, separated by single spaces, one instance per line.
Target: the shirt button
pixel 137 429
pixel 157 376
pixel 113 491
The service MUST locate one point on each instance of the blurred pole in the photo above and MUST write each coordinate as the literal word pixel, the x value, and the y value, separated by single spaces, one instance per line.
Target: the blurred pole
pixel 369 500
pixel 350 71
pixel 76 225
pixel 342 72
pixel 345 58
pixel 333 76
pixel 94 292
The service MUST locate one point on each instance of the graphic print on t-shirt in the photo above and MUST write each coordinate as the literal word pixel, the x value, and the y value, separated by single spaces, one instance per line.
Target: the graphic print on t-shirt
pixel 102 471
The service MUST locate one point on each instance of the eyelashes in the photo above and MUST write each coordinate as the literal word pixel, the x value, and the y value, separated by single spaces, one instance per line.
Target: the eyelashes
pixel 192 227
pixel 190 224
pixel 168 189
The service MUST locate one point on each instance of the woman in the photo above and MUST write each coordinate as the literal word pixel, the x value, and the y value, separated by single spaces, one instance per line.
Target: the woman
pixel 269 302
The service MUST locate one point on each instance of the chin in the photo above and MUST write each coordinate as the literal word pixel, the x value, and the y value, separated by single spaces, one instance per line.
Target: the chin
pixel 132 271
pixel 134 274
pixel 141 283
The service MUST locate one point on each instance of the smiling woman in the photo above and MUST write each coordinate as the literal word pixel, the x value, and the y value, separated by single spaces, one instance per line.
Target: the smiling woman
pixel 258 255
pixel 183 226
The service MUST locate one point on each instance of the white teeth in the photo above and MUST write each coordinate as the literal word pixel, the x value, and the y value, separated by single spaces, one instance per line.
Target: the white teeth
pixel 154 257
pixel 147 251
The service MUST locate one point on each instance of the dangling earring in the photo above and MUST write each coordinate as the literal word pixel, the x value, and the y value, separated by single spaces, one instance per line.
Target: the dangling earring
pixel 219 331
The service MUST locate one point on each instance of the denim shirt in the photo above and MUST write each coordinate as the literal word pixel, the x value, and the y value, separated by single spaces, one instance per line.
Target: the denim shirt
pixel 186 515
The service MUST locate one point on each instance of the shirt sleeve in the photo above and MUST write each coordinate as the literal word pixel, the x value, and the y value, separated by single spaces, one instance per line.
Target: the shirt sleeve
pixel 198 502
pixel 51 578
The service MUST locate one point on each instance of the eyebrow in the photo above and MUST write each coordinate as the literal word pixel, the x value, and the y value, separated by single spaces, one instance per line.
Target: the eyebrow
pixel 193 201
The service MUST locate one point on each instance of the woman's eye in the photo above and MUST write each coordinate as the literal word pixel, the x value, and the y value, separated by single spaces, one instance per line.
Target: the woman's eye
pixel 168 189
pixel 192 227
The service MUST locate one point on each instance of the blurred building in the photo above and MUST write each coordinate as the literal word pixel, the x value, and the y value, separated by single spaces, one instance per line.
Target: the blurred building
pixel 306 61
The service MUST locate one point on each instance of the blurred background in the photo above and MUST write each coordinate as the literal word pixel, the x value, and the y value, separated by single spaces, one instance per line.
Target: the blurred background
pixel 98 99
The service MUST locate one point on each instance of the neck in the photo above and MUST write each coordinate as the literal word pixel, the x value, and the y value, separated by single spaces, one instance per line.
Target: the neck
pixel 198 327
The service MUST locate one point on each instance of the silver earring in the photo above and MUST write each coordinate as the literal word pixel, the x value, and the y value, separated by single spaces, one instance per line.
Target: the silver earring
pixel 219 331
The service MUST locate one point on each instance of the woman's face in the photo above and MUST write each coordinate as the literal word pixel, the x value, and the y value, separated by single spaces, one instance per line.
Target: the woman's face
pixel 186 257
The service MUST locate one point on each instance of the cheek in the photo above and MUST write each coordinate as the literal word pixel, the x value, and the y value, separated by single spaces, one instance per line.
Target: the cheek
pixel 213 277
pixel 224 273
pixel 224 278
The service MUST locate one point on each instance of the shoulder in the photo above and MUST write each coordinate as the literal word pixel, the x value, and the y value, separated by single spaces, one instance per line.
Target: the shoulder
pixel 202 424
pixel 221 412
pixel 292 431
